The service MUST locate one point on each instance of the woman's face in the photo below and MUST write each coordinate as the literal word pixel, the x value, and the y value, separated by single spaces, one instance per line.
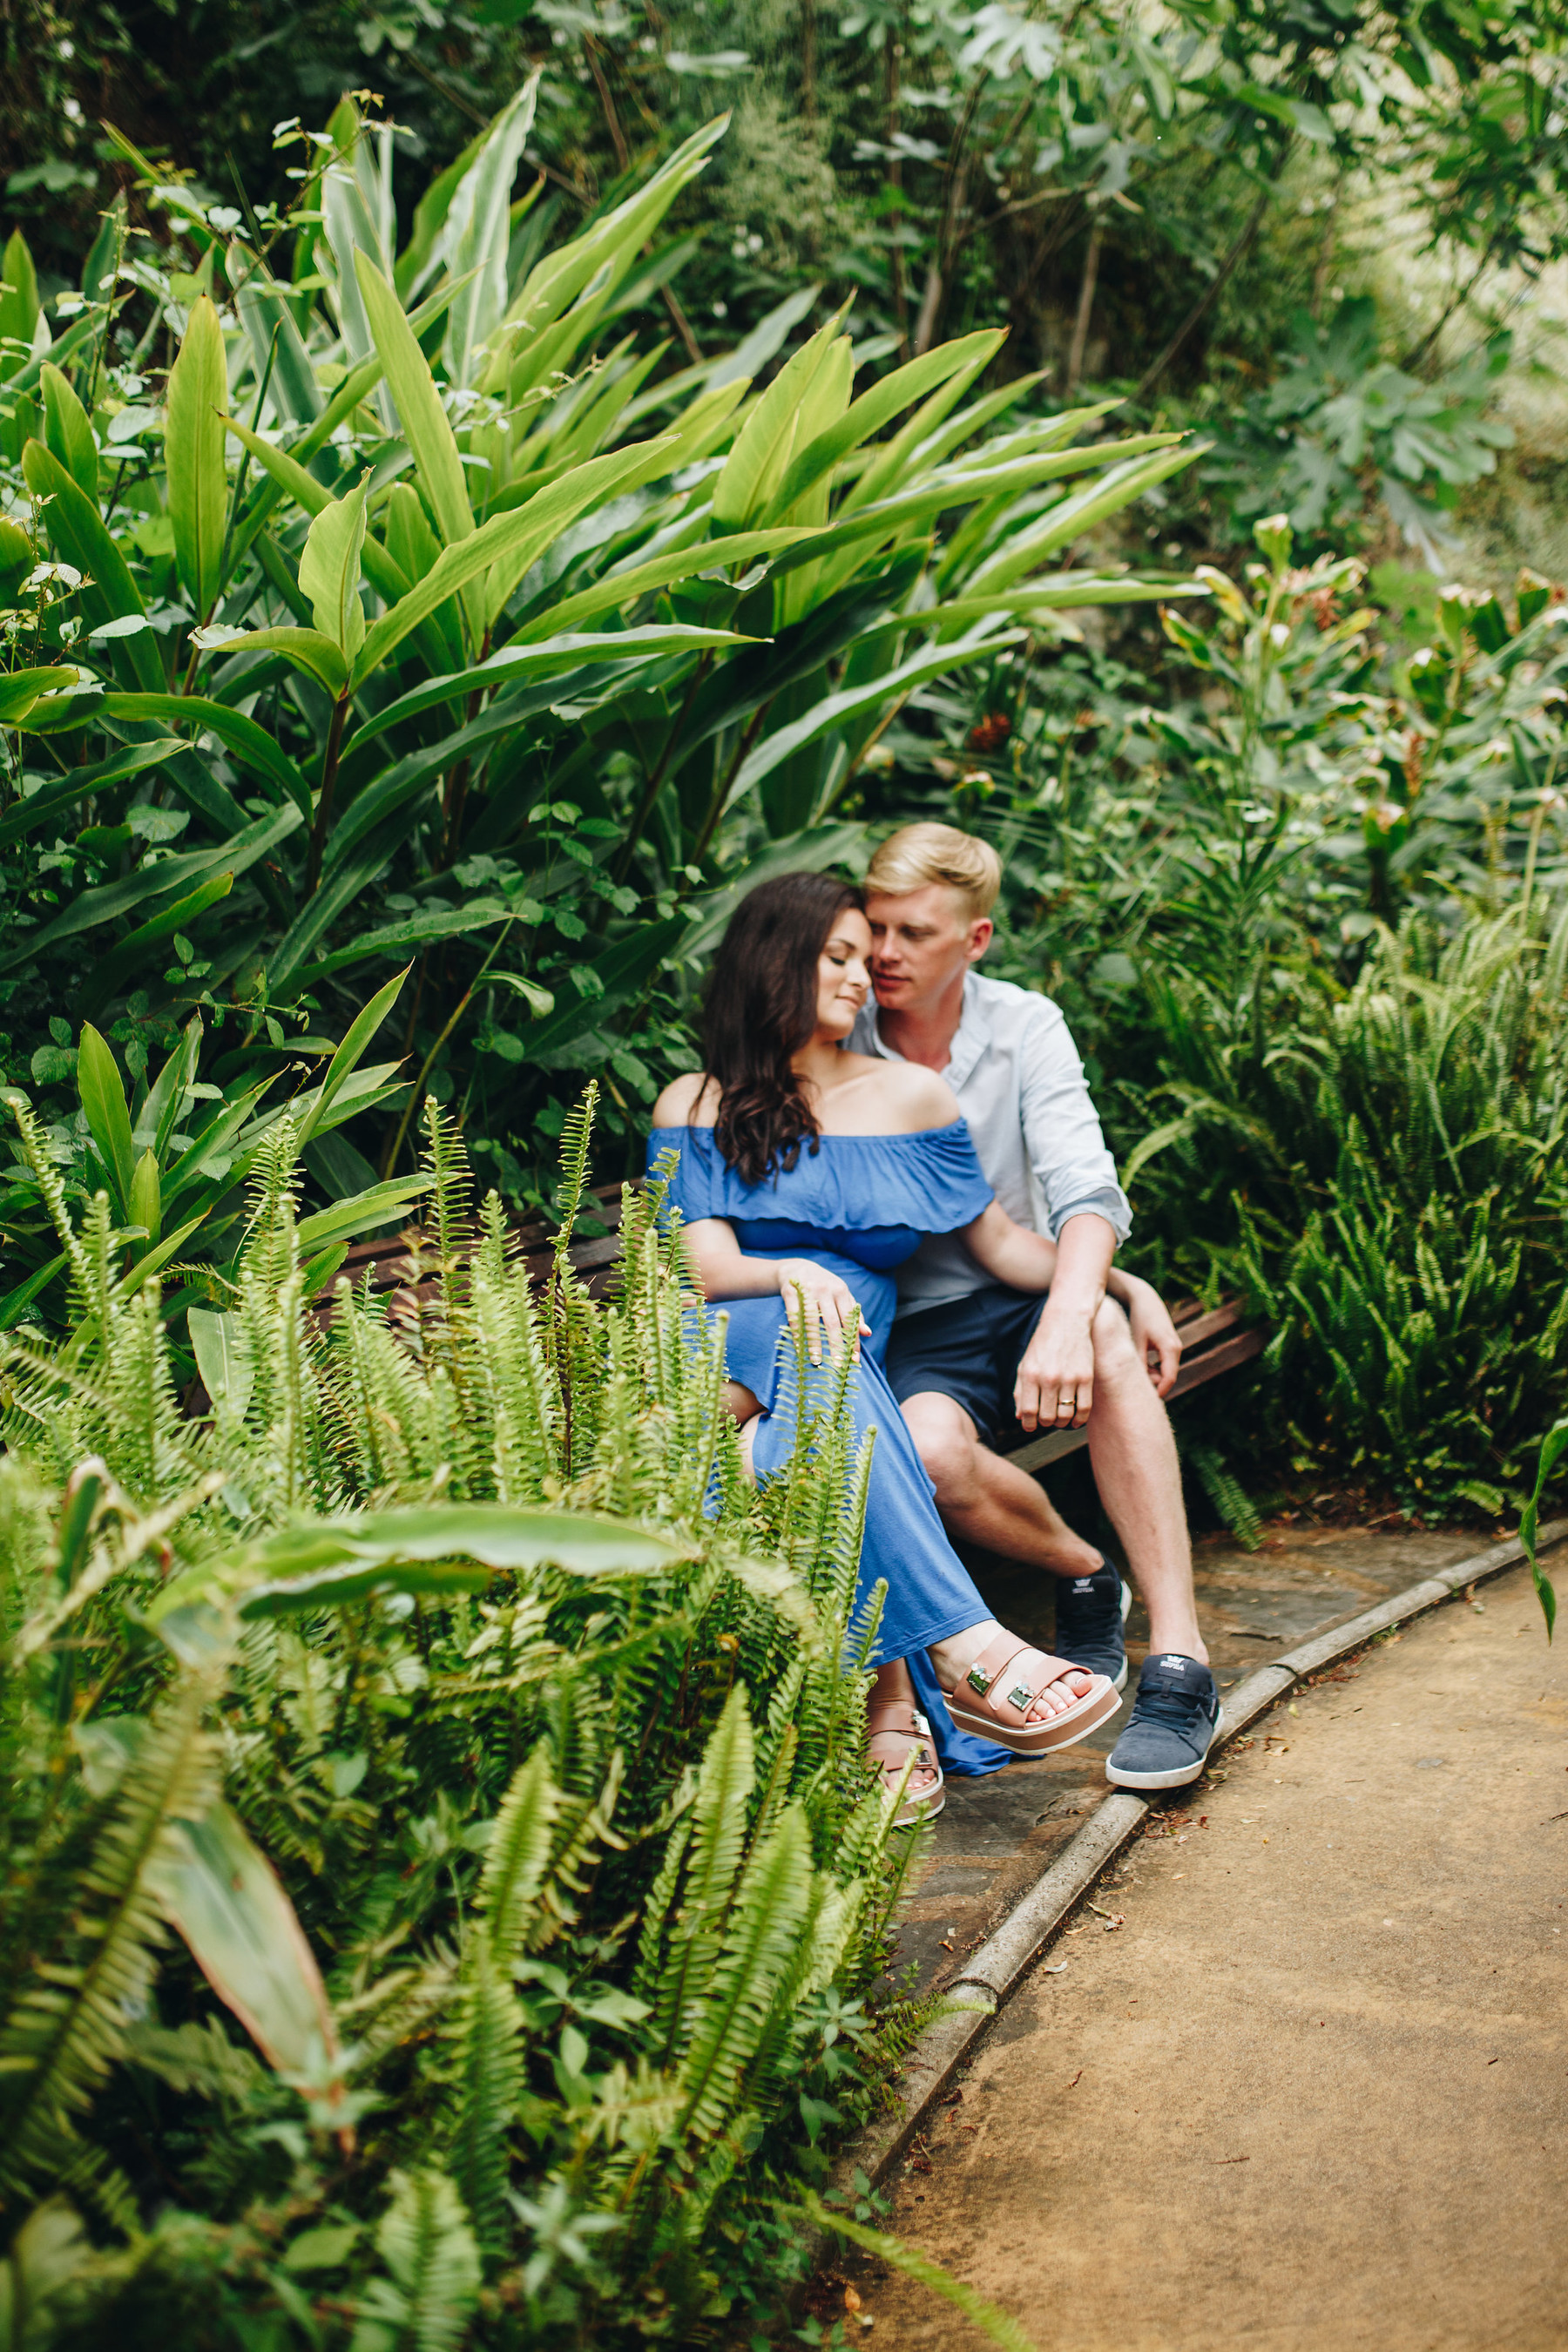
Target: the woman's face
pixel 843 974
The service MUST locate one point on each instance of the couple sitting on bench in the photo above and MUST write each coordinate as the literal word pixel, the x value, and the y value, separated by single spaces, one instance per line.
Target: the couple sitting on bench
pixel 922 1178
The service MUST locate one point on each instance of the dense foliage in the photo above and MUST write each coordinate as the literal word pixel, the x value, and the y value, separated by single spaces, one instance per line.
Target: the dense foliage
pixel 1309 927
pixel 492 1750
pixel 422 608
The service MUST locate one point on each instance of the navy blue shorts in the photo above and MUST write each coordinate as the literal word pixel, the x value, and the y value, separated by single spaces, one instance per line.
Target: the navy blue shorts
pixel 969 1351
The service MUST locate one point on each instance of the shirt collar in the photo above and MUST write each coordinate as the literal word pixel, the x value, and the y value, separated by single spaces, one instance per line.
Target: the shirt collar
pixel 969 1039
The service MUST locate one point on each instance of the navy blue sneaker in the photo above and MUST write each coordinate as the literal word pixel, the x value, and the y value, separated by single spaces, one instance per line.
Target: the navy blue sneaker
pixel 1171 1726
pixel 1091 1611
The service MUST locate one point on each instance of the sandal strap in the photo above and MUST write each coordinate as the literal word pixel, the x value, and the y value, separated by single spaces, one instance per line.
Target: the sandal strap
pixel 907 1721
pixel 900 1723
pixel 993 1667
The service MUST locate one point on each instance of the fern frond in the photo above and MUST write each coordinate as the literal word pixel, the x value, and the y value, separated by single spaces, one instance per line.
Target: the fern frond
pixel 771 1908
pixel 518 1857
pixel 485 2039
pixel 67 2027
pixel 713 1861
pixel 576 1143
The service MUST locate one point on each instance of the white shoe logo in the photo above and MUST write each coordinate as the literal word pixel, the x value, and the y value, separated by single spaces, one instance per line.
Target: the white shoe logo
pixel 1175 1661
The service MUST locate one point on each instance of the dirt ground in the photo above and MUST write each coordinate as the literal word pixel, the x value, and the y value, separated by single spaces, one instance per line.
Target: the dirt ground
pixel 1297 2083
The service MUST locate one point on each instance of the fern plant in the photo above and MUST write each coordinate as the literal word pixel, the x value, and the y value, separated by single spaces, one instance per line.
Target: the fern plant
pixel 438 1824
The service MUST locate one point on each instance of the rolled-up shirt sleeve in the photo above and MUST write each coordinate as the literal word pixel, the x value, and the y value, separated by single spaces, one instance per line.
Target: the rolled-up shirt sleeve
pixel 1076 1173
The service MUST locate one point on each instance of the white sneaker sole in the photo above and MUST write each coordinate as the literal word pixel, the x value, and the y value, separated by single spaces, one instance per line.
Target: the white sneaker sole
pixel 1177 1777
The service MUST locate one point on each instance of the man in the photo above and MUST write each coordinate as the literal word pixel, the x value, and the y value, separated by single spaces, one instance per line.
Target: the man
pixel 960 1341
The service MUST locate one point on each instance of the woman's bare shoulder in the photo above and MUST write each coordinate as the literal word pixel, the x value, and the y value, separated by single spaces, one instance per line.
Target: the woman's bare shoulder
pixel 688 1101
pixel 911 1098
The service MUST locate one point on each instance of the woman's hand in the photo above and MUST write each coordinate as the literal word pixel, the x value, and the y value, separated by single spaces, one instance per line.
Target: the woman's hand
pixel 829 1306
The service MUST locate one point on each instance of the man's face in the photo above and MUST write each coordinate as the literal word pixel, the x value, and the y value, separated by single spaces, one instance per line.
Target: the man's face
pixel 921 943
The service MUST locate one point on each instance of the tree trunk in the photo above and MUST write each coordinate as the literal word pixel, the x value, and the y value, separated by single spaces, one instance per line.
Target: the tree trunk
pixel 1216 287
pixel 1085 308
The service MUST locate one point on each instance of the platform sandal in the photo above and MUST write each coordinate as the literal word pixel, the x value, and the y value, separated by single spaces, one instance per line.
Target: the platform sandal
pixel 908 1728
pixel 993 1697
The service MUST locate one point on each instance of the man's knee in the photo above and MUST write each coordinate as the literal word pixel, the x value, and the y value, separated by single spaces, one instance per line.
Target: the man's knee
pixel 1118 1374
pixel 947 1444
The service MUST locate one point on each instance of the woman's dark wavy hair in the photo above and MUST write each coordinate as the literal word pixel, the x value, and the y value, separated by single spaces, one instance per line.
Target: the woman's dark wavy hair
pixel 761 1009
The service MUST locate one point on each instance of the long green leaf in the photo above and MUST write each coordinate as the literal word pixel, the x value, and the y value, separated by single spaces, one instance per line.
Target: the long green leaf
pixel 477 226
pixel 318 656
pixel 1554 1447
pixel 415 930
pixel 25 688
pixel 193 451
pixel 749 481
pixel 249 741
pixel 226 1372
pixel 68 432
pixel 835 709
pixel 619 590
pixel 652 642
pixel 77 529
pixel 43 807
pixel 350 1054
pixel 156 880
pixel 426 425
pixel 130 957
pixel 108 1118
pixel 329 570
pixel 379 1204
pixel 1075 516
pixel 214 1883
pixel 328 1562
pixel 880 405
pixel 970 484
pixel 516 538
pixel 988 2317
pixel 359 383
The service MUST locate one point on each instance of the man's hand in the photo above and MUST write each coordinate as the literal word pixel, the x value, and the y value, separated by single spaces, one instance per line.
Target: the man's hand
pixel 1054 1387
pixel 1152 1329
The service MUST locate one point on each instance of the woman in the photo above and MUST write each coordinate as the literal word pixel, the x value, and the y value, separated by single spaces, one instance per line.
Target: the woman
pixel 806 1174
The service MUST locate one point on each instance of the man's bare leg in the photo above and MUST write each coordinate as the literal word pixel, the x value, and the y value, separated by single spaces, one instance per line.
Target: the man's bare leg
pixel 992 1503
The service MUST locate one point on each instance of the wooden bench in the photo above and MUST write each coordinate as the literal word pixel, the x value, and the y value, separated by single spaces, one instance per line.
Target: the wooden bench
pixel 1215 1340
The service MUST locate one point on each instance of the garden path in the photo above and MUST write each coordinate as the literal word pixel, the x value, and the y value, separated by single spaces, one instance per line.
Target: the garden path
pixel 997 1835
pixel 1298 2082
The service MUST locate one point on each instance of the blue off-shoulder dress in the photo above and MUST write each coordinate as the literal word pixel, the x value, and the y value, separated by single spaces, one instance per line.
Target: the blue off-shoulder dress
pixel 859 1204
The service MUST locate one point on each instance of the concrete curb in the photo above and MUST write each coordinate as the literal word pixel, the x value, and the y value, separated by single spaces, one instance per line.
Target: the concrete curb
pixel 994 1973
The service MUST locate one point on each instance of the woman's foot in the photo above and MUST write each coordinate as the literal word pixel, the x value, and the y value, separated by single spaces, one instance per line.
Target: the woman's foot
pixel 896 1730
pixel 1002 1689
pixel 895 1736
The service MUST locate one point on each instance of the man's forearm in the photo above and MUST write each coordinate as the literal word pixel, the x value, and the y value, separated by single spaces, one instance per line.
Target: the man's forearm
pixel 1084 1249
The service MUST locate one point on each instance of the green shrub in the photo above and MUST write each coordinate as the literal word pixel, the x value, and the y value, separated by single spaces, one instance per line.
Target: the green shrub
pixel 424 609
pixel 439 1886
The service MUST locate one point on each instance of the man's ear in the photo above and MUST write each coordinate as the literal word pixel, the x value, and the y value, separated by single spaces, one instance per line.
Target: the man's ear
pixel 982 931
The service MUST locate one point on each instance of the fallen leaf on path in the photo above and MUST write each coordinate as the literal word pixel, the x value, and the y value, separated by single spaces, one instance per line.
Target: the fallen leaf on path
pixel 851 2300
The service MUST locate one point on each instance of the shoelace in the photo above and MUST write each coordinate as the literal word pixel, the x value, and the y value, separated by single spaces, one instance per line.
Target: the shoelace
pixel 1176 1707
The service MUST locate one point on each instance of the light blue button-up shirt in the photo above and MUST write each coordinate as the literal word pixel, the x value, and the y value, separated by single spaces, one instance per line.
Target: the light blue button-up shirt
pixel 1020 1084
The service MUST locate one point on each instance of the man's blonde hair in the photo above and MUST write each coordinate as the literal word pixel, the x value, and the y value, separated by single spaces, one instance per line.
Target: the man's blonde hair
pixel 919 853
